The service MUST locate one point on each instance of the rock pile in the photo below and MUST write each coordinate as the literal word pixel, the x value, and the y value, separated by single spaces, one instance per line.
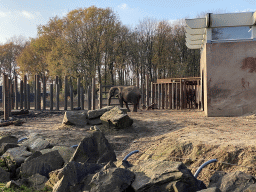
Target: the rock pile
pixel 114 117
pixel 92 166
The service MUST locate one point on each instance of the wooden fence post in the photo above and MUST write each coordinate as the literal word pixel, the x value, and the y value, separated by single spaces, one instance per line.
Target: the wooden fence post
pixel 11 94
pixel 28 93
pixel 71 95
pixel 173 95
pixel 44 93
pixel 51 97
pixel 89 98
pixel 82 98
pixel 163 95
pixel 147 91
pixel 21 94
pixel 93 93
pixel 35 93
pixel 38 93
pixel 57 92
pixel 100 96
pixel 78 92
pixel 159 96
pixel 25 92
pixel 16 92
pixel 66 93
pixel 6 98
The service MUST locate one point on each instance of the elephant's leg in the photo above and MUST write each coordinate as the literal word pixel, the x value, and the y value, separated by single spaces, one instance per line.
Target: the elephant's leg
pixel 127 106
pixel 121 103
pixel 135 107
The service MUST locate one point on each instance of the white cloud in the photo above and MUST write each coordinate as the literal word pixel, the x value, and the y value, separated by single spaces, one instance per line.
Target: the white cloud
pixel 4 14
pixel 27 15
pixel 123 6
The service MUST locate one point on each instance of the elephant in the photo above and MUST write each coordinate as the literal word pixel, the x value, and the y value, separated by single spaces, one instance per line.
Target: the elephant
pixel 128 94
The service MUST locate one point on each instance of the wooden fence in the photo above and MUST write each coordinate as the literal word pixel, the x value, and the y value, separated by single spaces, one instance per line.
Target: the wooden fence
pixel 178 93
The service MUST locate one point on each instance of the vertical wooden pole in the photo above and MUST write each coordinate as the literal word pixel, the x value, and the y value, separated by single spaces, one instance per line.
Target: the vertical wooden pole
pixel 44 93
pixel 89 98
pixel 152 92
pixel 163 95
pixel 100 96
pixel 16 92
pixel 57 97
pixel 147 91
pixel 21 94
pixel 159 96
pixel 170 95
pixel 173 84
pixel 28 93
pixel 35 92
pixel 166 96
pixel 82 98
pixel 57 93
pixel 38 93
pixel 25 92
pixel 78 93
pixel 66 93
pixel 93 93
pixel 71 95
pixel 51 97
pixel 10 96
pixel 156 94
pixel 142 95
pixel 6 98
pixel 176 98
pixel 181 101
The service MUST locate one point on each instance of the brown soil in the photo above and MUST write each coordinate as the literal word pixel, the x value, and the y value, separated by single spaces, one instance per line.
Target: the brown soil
pixel 186 136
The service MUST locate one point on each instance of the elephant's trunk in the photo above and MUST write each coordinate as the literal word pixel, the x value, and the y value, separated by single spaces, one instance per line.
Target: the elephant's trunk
pixel 109 101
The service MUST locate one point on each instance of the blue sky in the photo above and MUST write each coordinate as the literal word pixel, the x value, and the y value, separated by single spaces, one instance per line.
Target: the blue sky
pixel 21 17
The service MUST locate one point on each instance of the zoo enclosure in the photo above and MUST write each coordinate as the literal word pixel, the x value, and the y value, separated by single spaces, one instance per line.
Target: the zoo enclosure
pixel 173 93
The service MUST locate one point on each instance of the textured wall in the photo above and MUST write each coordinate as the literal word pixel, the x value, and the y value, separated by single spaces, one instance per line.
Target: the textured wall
pixel 230 74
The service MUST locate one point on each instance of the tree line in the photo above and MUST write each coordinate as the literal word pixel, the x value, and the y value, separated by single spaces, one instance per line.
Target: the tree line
pixel 92 42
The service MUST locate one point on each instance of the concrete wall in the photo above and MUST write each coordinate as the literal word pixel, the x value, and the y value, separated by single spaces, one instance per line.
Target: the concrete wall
pixel 229 75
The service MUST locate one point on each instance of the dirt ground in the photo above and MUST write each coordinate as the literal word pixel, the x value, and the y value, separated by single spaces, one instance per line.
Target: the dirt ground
pixel 178 135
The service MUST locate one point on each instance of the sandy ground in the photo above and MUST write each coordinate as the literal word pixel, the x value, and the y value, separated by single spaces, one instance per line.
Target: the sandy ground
pixel 156 131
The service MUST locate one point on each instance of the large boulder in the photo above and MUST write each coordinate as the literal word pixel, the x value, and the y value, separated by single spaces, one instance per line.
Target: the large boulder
pixel 212 189
pixel 232 182
pixel 72 177
pixel 93 114
pixel 37 181
pixel 5 146
pixel 43 164
pixel 112 180
pixel 8 139
pixel 78 118
pixel 164 176
pixel 17 154
pixel 94 148
pixel 65 152
pixel 36 143
pixel 116 118
pixel 4 176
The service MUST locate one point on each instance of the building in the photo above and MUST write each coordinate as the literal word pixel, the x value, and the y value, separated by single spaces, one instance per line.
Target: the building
pixel 228 61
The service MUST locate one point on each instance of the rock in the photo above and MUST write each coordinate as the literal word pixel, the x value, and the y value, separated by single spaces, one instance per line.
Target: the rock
pixel 95 121
pixel 233 182
pixel 116 118
pixel 75 118
pixel 112 180
pixel 65 152
pixel 34 155
pixel 12 184
pixel 251 188
pixel 8 139
pixel 37 181
pixel 5 146
pixel 36 143
pixel 92 114
pixel 72 176
pixel 94 148
pixel 43 164
pixel 17 154
pixel 164 176
pixel 4 176
pixel 212 189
